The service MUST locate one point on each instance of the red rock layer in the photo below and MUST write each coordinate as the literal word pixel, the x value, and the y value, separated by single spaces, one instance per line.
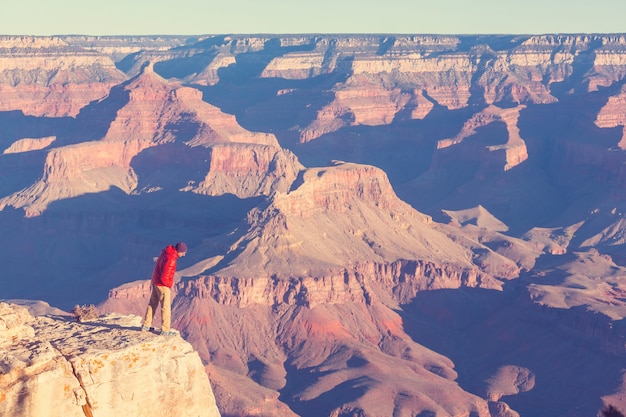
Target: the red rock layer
pixel 150 111
pixel 248 170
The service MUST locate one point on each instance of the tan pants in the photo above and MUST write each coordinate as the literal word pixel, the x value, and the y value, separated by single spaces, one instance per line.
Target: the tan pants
pixel 159 295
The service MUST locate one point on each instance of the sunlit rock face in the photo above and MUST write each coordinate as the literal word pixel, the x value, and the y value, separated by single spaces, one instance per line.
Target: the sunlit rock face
pixel 54 366
pixel 248 170
pixel 145 112
pixel 378 225
pixel 46 76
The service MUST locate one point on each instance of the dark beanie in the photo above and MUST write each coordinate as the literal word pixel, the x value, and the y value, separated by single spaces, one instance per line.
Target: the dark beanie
pixel 181 247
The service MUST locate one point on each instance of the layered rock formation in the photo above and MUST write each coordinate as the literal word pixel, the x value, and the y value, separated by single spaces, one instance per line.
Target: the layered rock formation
pixel 328 298
pixel 389 75
pixel 147 112
pixel 52 366
pixel 312 288
pixel 43 76
pixel 612 115
pixel 248 171
pixel 514 150
pixel 357 221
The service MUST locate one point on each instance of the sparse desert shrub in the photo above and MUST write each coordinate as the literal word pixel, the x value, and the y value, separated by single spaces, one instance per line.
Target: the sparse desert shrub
pixel 85 312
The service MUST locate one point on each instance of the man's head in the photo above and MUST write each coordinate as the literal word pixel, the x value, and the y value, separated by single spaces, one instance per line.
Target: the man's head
pixel 181 248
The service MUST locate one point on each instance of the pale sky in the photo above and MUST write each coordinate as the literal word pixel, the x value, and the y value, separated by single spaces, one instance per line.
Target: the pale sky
pixel 194 17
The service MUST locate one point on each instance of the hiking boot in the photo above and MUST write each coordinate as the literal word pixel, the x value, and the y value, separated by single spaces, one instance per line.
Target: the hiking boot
pixel 168 333
pixel 146 328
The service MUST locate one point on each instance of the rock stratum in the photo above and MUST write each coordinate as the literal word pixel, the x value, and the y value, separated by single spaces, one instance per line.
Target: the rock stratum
pixel 54 366
pixel 422 225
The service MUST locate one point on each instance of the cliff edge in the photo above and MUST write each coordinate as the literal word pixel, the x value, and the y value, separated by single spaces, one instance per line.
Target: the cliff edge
pixel 52 366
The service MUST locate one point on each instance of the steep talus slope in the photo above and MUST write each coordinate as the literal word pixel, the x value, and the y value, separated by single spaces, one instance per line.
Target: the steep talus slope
pixel 104 367
pixel 341 356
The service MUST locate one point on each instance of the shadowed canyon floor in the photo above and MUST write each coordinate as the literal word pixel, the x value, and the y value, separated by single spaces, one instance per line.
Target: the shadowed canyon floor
pixel 406 225
pixel 483 331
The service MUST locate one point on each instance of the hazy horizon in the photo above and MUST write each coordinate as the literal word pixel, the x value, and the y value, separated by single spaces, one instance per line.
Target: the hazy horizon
pixel 195 17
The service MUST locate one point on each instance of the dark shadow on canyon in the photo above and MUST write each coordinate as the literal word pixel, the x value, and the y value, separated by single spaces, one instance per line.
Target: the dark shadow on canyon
pixel 269 104
pixel 80 248
pixel 189 59
pixel 495 42
pixel 380 145
pixel 275 105
pixel 582 65
pixel 92 122
pixel 16 125
pixel 172 166
pixel 20 170
pixel 298 380
pixel 569 351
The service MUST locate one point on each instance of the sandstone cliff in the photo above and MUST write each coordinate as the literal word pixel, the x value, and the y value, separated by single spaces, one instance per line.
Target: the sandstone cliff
pixel 612 115
pixel 52 366
pixel 46 76
pixel 248 170
pixel 513 152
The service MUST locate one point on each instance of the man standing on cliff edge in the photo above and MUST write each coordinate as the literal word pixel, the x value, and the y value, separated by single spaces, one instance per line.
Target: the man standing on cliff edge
pixel 162 281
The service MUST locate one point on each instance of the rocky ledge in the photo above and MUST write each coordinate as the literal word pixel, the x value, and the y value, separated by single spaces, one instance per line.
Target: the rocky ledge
pixel 54 366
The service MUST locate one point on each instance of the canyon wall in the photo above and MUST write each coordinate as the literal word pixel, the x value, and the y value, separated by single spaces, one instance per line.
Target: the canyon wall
pixel 376 223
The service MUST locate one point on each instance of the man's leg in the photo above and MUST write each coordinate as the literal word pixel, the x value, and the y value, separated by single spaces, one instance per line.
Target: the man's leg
pixel 152 305
pixel 166 308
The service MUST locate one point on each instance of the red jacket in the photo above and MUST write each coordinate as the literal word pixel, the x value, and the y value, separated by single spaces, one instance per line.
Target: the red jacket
pixel 165 267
